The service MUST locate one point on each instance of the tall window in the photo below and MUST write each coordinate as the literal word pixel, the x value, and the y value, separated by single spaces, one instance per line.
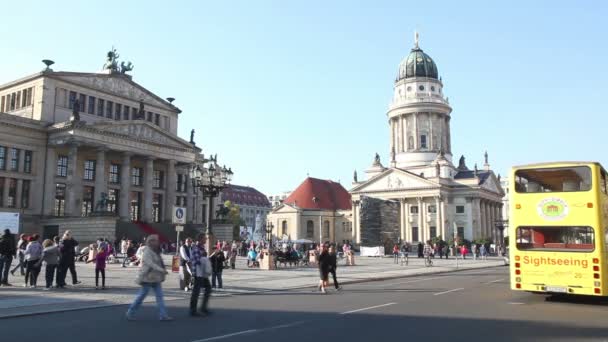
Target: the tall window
pixel 157 119
pixel 60 199
pixel 89 170
pixel 180 201
pixel 12 193
pixel 414 209
pixel 82 98
pixel 18 101
pixel 135 204
pixel 125 113
pixel 113 196
pixel 415 234
pixel 433 232
pixel 91 109
pixel 150 114
pixel 158 179
pixel 14 165
pixel 136 176
pixel 460 232
pixel 2 157
pixel 460 209
pixel 72 99
pixel 87 200
pixel 29 96
pixel 27 162
pixel 101 105
pixel 157 204
pixel 181 183
pixel 109 109
pixel 432 209
pixel 62 166
pixel 24 98
pixel 114 173
pixel 25 194
pixel 326 229
pixel 423 143
pixel 1 191
pixel 310 228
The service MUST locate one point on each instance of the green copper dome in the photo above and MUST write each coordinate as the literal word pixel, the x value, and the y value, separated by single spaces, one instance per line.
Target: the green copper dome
pixel 417 64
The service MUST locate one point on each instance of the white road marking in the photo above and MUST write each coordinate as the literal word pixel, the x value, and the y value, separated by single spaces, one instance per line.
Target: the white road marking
pixel 494 281
pixel 228 335
pixel 444 292
pixel 369 308
pixel 516 303
pixel 411 281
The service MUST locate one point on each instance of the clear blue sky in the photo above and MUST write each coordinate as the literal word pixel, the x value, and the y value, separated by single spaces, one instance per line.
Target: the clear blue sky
pixel 280 89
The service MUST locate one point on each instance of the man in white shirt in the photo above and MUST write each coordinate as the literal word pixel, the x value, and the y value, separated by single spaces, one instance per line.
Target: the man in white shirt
pixel 184 265
pixel 201 268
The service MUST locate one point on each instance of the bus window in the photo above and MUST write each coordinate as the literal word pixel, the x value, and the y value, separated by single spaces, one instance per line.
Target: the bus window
pixel 555 238
pixel 603 182
pixel 562 179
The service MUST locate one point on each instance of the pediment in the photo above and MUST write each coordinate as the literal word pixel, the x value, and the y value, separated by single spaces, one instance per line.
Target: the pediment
pixel 119 85
pixel 141 130
pixel 394 179
pixel 284 209
pixel 491 184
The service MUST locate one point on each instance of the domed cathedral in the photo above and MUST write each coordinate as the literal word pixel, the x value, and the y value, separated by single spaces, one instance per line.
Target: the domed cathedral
pixel 420 194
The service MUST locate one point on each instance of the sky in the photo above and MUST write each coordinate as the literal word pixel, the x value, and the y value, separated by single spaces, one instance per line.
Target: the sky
pixel 285 89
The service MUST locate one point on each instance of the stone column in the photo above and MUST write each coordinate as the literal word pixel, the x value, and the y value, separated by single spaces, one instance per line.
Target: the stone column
pixel 21 166
pixel 408 226
pixel 444 230
pixel 48 202
pixel 101 184
pixel 74 185
pixel 148 183
pixel 170 188
pixel 392 134
pixel 420 220
pixel 125 188
pixel 190 200
pixel 478 223
pixel 438 217
pixel 19 190
pixel 402 219
pixel 416 143
pixel 357 228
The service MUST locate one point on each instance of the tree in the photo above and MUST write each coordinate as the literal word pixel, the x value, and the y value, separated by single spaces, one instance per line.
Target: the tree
pixel 231 213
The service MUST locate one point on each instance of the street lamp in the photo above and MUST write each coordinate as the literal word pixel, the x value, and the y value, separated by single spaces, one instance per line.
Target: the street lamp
pixel 211 179
pixel 500 226
pixel 269 227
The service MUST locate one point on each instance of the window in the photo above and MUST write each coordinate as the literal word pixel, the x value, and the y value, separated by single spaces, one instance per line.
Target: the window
pixel 59 199
pixel 555 238
pixel 2 158
pixel 326 229
pixel 12 193
pixel 560 179
pixel 421 88
pixel 157 119
pixel 27 162
pixel 181 183
pixel 603 182
pixel 414 209
pixel 135 204
pixel 433 232
pixel 14 165
pixel 118 112
pixel 72 99
pixel 1 191
pixel 310 228
pixel 109 109
pixel 423 141
pixel 432 88
pixel 158 179
pixel 432 209
pixel 125 113
pixel 89 170
pixel 113 196
pixel 150 114
pixel 460 209
pixel 180 201
pixel 25 194
pixel 87 200
pixel 157 204
pixel 82 100
pixel 114 173
pixel 62 166
pixel 415 234
pixel 136 176
pixel 460 232
pixel 91 109
pixel 100 107
pixel 18 100
pixel 23 97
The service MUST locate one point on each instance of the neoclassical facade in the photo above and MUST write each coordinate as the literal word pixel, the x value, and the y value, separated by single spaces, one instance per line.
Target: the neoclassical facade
pixel 421 194
pixel 69 138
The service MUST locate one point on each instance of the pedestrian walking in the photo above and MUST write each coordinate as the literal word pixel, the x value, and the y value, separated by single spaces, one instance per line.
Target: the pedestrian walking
pixel 483 252
pixel 217 260
pixel 474 251
pixel 333 263
pixel 21 245
pixel 233 254
pixel 446 251
pixel 50 258
pixel 202 270
pixel 67 255
pixel 420 250
pixel 8 249
pixel 324 268
pixel 428 252
pixel 33 253
pixel 151 274
pixel 184 265
pixel 100 266
pixel 463 251
pixel 396 254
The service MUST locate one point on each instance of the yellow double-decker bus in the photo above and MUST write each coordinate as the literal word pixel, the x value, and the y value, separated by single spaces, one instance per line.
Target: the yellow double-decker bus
pixel 558 226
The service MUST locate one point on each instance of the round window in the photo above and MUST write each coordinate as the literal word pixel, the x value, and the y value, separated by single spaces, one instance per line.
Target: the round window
pixel 409 88
pixel 421 88
pixel 432 88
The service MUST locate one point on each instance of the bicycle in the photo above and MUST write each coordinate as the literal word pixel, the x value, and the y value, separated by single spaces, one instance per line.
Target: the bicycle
pixel 404 260
pixel 427 261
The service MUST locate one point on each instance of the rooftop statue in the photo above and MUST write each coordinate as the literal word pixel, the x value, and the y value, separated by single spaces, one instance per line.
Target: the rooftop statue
pixel 112 63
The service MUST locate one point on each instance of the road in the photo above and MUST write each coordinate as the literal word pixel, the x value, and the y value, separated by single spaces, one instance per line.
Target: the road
pixel 460 306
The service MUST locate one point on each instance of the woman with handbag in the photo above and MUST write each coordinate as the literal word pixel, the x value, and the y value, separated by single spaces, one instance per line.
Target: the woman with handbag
pixel 151 274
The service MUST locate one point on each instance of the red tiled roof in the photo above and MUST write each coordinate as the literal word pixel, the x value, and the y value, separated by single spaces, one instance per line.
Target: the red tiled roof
pixel 316 193
pixel 244 195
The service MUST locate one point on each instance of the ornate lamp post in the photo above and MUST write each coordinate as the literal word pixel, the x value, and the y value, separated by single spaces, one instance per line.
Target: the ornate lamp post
pixel 211 179
pixel 269 227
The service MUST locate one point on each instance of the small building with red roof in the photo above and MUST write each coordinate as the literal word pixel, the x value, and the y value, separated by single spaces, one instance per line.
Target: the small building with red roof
pixel 317 210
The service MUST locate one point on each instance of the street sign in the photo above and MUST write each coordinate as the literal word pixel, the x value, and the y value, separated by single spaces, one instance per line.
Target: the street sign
pixel 179 215
pixel 179 228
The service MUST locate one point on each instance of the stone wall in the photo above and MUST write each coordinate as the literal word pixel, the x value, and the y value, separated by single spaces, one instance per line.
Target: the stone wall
pixel 85 230
pixel 379 223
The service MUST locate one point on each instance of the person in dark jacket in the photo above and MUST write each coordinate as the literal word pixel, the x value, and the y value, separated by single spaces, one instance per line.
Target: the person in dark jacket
pixel 420 249
pixel 67 255
pixel 21 245
pixel 333 261
pixel 217 259
pixel 8 249
pixel 324 268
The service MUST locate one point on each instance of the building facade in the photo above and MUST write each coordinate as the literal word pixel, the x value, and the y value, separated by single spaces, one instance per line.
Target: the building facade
pixel 278 199
pixel 253 205
pixel 70 141
pixel 422 193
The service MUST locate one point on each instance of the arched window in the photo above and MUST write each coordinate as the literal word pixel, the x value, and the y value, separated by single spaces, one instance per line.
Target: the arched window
pixel 310 229
pixel 326 229
pixel 284 228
